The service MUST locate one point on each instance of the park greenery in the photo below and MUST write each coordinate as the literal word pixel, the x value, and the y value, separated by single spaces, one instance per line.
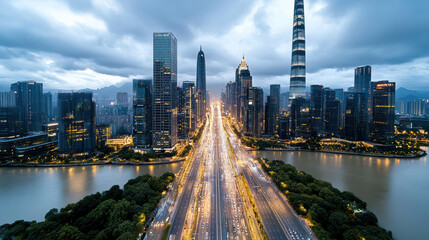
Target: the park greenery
pixel 127 153
pixel 114 214
pixel 333 214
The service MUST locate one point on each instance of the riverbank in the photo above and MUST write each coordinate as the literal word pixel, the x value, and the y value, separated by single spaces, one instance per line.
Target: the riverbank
pixel 159 162
pixel 411 156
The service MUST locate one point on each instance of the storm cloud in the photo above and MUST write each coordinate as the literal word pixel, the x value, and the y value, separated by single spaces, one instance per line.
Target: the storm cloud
pixel 78 43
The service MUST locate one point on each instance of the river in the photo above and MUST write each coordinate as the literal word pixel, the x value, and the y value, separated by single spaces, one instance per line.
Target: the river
pixel 396 190
pixel 29 193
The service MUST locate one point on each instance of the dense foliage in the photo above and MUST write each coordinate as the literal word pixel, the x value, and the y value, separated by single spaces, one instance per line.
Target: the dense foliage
pixel 332 213
pixel 113 214
pixel 259 144
pixel 128 154
pixel 186 151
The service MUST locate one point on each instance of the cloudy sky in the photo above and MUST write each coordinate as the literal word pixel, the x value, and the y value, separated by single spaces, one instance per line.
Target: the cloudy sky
pixel 91 44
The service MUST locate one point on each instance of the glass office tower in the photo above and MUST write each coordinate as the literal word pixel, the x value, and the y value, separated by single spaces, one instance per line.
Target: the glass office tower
pixel 76 123
pixel 297 74
pixel 142 113
pixel 201 86
pixel 363 85
pixel 383 119
pixel 29 99
pixel 164 109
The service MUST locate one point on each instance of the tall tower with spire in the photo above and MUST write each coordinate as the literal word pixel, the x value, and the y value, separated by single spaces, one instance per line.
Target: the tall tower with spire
pixel 201 86
pixel 297 74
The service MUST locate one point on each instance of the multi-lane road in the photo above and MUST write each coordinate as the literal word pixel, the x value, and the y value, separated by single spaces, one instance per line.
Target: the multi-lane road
pixel 209 200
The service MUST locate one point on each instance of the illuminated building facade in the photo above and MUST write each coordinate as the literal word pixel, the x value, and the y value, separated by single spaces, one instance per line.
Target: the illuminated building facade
pixel 383 114
pixel 201 89
pixel 300 118
pixel 255 115
pixel 297 75
pixel 29 99
pixel 142 113
pixel 76 125
pixel 243 81
pixel 164 108
pixel 316 110
pixel 363 85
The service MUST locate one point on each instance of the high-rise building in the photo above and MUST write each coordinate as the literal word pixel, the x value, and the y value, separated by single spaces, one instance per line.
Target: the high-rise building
pixel 142 113
pixel 339 95
pixel 103 132
pixel 189 105
pixel 284 125
pixel 300 118
pixel 76 123
pixel 8 99
pixel 297 75
pixel 231 99
pixel 243 80
pixel 316 110
pixel 164 125
pixel 383 100
pixel 255 113
pixel 363 85
pixel 355 116
pixel 275 92
pixel 47 108
pixel 29 99
pixel 284 100
pixel 331 114
pixel 201 86
pixel 271 115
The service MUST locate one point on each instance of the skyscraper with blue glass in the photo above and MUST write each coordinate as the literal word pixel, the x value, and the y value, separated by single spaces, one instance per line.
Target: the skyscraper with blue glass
pixel 164 109
pixel 201 86
pixel 297 74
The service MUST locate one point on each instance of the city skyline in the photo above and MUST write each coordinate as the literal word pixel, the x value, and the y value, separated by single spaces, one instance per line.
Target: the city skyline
pixel 106 52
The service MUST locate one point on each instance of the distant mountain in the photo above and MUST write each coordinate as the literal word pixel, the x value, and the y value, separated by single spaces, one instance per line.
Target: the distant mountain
pixel 406 94
pixel 112 90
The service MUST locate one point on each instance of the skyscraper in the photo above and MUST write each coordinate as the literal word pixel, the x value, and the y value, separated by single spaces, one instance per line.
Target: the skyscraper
pixel 29 98
pixel 331 114
pixel 243 81
pixel 316 110
pixel 142 113
pixel 363 85
pixel 201 86
pixel 164 125
pixel 297 74
pixel 383 100
pixel 76 126
pixel 255 113
pixel 47 107
pixel 271 115
pixel 300 118
pixel 189 105
pixel 231 99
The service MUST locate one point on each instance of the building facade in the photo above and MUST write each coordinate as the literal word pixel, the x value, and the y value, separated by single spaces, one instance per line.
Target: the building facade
pixel 29 99
pixel 76 123
pixel 316 110
pixel 142 113
pixel 383 118
pixel 297 75
pixel 201 86
pixel 362 84
pixel 164 108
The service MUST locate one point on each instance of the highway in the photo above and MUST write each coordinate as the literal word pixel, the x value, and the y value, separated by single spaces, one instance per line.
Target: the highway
pixel 209 200
pixel 278 217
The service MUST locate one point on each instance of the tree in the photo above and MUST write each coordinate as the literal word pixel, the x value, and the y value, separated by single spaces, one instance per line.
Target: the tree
pixel 68 232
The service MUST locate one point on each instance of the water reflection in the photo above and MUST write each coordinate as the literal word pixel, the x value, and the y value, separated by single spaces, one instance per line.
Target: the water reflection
pixel 395 189
pixel 28 193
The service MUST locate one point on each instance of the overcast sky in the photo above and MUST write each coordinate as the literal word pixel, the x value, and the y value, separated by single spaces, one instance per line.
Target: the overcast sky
pixel 79 44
